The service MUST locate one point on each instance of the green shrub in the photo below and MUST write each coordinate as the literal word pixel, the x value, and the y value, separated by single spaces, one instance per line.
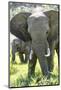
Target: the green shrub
pixel 13 69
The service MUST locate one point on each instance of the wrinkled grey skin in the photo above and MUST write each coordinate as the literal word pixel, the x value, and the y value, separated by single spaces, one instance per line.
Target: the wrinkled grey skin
pixel 19 28
pixel 20 47
pixel 38 27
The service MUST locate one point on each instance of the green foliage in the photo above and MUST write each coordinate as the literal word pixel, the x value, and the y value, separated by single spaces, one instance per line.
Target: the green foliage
pixel 13 69
pixel 19 75
pixel 15 8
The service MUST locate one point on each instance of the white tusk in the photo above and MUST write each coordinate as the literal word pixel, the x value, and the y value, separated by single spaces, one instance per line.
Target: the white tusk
pixel 30 56
pixel 48 53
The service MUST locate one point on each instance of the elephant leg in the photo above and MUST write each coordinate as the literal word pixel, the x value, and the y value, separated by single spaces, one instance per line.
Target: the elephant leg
pixel 26 58
pixel 50 60
pixel 31 65
pixel 13 53
pixel 21 57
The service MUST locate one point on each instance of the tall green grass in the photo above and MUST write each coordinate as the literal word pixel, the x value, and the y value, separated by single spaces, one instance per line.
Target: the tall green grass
pixel 19 74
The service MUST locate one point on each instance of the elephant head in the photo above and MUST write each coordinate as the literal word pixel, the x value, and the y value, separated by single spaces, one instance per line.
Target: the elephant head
pixel 38 27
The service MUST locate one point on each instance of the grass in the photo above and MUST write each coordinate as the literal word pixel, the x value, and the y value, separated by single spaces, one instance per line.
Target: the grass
pixel 19 74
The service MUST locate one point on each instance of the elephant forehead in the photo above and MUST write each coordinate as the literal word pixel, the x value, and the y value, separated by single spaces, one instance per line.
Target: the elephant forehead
pixel 39 18
pixel 37 14
pixel 39 22
pixel 38 27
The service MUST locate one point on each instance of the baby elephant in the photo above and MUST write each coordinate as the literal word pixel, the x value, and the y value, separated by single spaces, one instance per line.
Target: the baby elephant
pixel 19 46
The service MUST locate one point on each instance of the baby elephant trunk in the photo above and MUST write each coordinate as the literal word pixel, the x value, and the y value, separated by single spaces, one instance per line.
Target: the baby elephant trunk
pixel 48 53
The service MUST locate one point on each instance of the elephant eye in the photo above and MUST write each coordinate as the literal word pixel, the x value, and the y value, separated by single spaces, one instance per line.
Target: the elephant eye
pixel 47 32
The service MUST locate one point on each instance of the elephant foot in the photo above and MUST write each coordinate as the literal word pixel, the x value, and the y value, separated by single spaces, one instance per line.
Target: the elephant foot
pixel 31 71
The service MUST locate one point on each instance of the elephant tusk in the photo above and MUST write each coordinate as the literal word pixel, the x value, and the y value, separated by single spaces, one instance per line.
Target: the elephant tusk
pixel 48 53
pixel 31 53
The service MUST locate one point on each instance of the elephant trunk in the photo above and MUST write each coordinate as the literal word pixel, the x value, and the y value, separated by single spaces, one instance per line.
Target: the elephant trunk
pixel 48 53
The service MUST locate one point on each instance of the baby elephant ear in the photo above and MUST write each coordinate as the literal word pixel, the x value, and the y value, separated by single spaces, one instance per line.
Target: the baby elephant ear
pixel 48 53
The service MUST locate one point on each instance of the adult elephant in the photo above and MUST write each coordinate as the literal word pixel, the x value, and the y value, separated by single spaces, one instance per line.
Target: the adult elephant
pixel 19 27
pixel 38 27
pixel 20 47
pixel 52 36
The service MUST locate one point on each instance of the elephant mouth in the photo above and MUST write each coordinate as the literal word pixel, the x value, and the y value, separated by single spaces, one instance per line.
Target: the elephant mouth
pixel 48 53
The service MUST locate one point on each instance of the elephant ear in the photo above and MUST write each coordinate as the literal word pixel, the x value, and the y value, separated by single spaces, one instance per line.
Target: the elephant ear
pixel 53 17
pixel 18 26
pixel 53 23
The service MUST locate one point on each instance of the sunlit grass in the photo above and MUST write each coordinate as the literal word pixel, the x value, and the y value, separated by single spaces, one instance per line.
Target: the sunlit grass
pixel 19 74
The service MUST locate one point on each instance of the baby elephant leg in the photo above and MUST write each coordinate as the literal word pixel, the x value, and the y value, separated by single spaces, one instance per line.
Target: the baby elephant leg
pixel 13 53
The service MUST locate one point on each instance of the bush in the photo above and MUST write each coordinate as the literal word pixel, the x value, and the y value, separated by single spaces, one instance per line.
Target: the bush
pixel 13 69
